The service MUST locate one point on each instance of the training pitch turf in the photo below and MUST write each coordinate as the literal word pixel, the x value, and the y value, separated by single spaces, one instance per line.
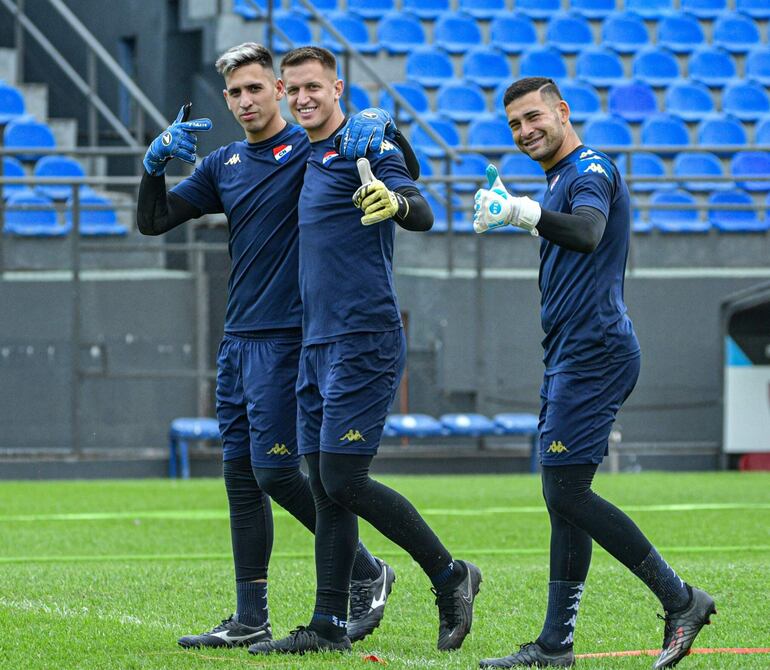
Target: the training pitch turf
pixel 103 575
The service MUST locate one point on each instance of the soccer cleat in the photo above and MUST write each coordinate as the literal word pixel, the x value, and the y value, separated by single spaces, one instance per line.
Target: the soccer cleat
pixel 230 633
pixel 455 609
pixel 532 655
pixel 682 627
pixel 367 602
pixel 301 640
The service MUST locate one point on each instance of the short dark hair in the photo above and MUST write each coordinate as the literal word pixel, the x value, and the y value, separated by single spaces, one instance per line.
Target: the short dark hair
pixel 545 85
pixel 301 54
pixel 244 54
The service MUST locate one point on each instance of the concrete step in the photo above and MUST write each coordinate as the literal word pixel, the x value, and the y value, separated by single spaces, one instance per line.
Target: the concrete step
pixel 65 131
pixel 8 65
pixel 35 100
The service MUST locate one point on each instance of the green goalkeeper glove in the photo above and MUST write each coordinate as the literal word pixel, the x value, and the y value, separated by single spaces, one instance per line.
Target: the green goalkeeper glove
pixel 375 199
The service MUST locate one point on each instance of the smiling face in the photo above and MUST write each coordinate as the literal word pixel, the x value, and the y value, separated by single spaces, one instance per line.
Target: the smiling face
pixel 313 93
pixel 541 128
pixel 252 95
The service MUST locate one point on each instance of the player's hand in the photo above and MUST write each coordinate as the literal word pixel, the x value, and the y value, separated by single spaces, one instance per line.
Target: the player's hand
pixel 494 207
pixel 364 132
pixel 375 199
pixel 177 141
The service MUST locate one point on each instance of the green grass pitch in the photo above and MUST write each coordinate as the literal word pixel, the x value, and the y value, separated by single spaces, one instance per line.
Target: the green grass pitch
pixel 102 575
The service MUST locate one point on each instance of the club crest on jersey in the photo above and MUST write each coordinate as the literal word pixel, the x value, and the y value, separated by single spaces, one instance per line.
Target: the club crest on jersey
pixel 328 157
pixel 553 182
pixel 281 152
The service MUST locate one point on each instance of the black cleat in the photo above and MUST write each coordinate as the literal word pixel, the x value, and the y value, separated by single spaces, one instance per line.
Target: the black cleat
pixel 229 633
pixel 367 602
pixel 532 655
pixel 300 641
pixel 455 609
pixel 682 627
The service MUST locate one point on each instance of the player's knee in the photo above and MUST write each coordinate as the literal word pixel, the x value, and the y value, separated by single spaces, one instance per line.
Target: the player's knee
pixel 278 482
pixel 567 489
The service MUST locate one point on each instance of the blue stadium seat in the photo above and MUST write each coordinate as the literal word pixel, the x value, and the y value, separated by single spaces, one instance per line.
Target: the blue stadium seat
pixel 456 33
pixel 40 222
pixel 490 132
pixel 426 168
pixel 655 66
pixel 429 66
pixel 446 130
pixel 723 130
pixel 689 101
pixel 569 33
pixel 538 9
pixel 371 9
pixel 460 101
pixel 412 425
pixel 762 133
pixel 746 101
pixel 633 101
pixel 664 130
pixel 516 165
pixel 428 10
pixel 470 165
pixel 24 133
pixel 512 33
pixel 704 9
pixel 520 424
pixel 644 164
pixel 758 65
pixel 747 164
pixel 57 166
pixel 467 425
pixel 735 221
pixel 711 66
pixel 699 164
pixel 599 67
pixel 542 62
pixel 757 9
pixel 182 431
pixel 625 32
pixel 681 33
pixel 11 104
pixel 735 32
pixel 593 9
pixel 296 28
pixel 400 33
pixel 676 220
pixel 12 168
pixel 322 6
pixel 437 200
pixel 415 96
pixel 359 98
pixel 607 131
pixel 353 29
pixel 583 99
pixel 650 9
pixel 247 10
pixel 482 9
pixel 486 67
pixel 95 222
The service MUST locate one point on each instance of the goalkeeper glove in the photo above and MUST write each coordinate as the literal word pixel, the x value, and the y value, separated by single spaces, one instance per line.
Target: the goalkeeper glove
pixel 495 207
pixel 364 132
pixel 177 141
pixel 375 199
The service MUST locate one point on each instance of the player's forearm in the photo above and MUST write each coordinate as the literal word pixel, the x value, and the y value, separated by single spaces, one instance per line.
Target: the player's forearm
pixel 417 215
pixel 158 212
pixel 580 231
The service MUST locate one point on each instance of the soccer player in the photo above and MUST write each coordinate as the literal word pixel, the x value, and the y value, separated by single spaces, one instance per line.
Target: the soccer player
pixel 256 183
pixel 591 366
pixel 352 359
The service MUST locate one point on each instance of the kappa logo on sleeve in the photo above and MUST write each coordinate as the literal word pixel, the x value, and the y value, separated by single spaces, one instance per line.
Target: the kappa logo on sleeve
pixel 386 146
pixel 328 157
pixel 282 152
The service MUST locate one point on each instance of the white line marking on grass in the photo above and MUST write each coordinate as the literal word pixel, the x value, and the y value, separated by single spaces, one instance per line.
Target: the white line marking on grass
pixel 27 605
pixel 213 515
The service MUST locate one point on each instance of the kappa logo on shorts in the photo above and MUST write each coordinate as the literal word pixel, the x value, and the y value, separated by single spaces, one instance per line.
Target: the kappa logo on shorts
pixel 233 160
pixel 352 436
pixel 278 450
pixel 282 152
pixel 557 448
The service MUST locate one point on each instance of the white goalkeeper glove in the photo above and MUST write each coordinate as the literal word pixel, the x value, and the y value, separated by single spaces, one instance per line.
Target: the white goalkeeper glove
pixel 375 199
pixel 495 207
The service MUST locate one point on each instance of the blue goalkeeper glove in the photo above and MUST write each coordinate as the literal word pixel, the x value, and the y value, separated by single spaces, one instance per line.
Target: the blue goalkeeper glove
pixel 177 141
pixel 364 132
pixel 495 207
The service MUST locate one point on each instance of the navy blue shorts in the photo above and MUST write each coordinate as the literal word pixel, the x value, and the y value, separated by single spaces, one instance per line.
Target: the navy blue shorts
pixel 256 402
pixel 578 410
pixel 345 389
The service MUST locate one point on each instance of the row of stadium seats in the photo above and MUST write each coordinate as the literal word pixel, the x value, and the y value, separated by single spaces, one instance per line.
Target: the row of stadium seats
pixel 24 132
pixel 45 167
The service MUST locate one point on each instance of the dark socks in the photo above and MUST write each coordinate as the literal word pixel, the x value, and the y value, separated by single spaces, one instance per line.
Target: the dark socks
pixel 449 577
pixel 251 598
pixel 365 566
pixel 663 582
pixel 563 603
pixel 329 626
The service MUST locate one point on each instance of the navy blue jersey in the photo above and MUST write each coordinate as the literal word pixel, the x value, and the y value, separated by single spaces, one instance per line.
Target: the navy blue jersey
pixel 346 268
pixel 257 187
pixel 582 309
